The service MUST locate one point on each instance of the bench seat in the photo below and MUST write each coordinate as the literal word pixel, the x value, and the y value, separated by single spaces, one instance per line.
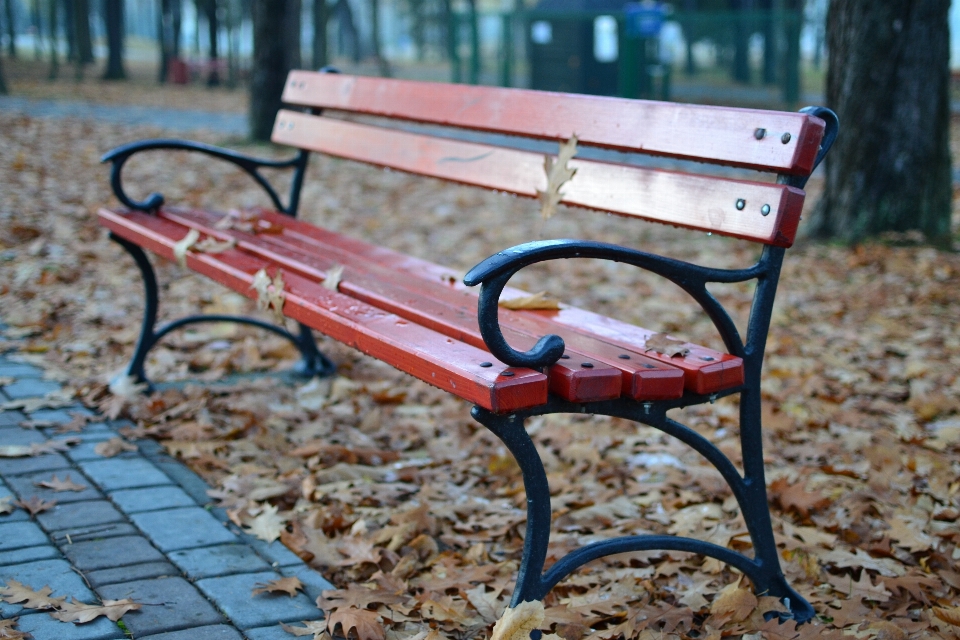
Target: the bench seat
pixel 605 358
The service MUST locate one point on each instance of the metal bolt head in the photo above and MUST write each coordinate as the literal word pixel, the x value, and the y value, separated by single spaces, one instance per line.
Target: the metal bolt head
pixel 765 210
pixel 759 134
pixel 486 364
pixel 785 138
pixel 741 203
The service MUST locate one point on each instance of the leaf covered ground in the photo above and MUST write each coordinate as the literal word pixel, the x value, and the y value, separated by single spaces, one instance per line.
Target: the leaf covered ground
pixel 415 512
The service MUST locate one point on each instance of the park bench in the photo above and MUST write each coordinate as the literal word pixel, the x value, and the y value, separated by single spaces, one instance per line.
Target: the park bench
pixel 515 364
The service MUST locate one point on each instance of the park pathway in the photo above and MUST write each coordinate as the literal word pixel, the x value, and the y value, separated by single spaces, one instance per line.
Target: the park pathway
pixel 141 529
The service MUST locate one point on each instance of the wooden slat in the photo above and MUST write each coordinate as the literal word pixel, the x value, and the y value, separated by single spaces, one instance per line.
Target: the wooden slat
pixel 699 202
pixel 712 134
pixel 434 358
pixel 584 379
pixel 398 281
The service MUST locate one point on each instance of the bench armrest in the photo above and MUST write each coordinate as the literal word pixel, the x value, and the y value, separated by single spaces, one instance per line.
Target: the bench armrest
pixel 494 273
pixel 250 165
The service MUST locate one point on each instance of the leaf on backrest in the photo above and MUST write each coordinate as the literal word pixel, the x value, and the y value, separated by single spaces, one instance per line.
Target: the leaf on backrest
pixel 537 300
pixel 334 275
pixel 557 175
pixel 180 249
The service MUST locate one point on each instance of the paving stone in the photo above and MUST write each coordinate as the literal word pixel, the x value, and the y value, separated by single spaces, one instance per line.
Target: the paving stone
pixel 53 573
pixel 313 582
pixel 217 632
pixel 79 514
pixel 273 632
pixel 25 487
pixel 190 482
pixel 60 416
pixel 183 528
pixel 19 535
pixel 123 473
pixel 11 418
pixel 144 571
pixel 149 448
pixel 111 552
pixel 42 626
pixel 151 499
pixel 233 595
pixel 16 435
pixel 222 560
pixel 30 388
pixel 85 450
pixel 94 532
pixel 275 553
pixel 176 605
pixel 19 466
pixel 10 369
pixel 45 552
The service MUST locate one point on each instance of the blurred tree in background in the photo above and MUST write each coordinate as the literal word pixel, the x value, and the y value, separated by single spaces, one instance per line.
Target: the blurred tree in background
pixel 276 50
pixel 113 25
pixel 888 81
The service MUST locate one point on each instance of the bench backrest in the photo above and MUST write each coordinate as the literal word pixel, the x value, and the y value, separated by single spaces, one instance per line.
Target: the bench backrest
pixel 768 141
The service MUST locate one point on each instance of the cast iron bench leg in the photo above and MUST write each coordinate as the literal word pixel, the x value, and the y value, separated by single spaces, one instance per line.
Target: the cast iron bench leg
pixel 533 583
pixel 312 361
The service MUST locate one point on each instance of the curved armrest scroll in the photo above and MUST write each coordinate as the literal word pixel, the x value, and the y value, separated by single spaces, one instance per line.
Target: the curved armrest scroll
pixel 494 273
pixel 120 155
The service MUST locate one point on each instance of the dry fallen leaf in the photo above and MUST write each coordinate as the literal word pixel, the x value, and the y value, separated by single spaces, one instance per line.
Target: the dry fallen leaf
pixel 270 293
pixel 289 585
pixel 334 276
pixel 268 525
pixel 516 623
pixel 180 248
pixel 113 446
pixel 533 301
pixel 56 484
pixel 315 628
pixel 212 245
pixel 16 451
pixel 664 344
pixel 80 613
pixel 557 175
pixel 948 615
pixel 18 593
pixel 6 506
pixel 364 622
pixel 734 603
pixel 35 505
pixel 7 630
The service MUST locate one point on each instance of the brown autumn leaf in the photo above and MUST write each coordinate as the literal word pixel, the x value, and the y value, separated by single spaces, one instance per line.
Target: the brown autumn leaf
pixel 289 585
pixel 334 276
pixel 14 592
pixel 181 247
pixel 81 613
pixel 270 293
pixel 365 624
pixel 213 246
pixel 357 597
pixel 664 344
pixel 113 447
pixel 734 603
pixel 516 623
pixel 8 630
pixel 315 628
pixel 863 588
pixel 795 497
pixel 268 525
pixel 56 484
pixel 77 422
pixel 558 173
pixel 537 300
pixel 35 505
pixel 6 506
pixel 951 615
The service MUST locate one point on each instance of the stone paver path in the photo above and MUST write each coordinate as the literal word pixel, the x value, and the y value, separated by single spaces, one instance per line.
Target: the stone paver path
pixel 142 529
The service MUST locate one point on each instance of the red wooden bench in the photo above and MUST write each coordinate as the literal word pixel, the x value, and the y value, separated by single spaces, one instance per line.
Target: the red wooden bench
pixel 514 364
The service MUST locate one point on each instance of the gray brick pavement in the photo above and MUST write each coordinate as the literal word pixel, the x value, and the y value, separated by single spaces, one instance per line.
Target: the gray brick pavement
pixel 174 604
pixel 151 499
pixel 130 472
pixel 30 388
pixel 221 560
pixel 232 595
pixel 216 632
pixel 26 486
pixel 77 515
pixel 103 577
pixel 19 466
pixel 18 535
pixel 43 627
pixel 183 528
pixel 55 574
pixel 111 552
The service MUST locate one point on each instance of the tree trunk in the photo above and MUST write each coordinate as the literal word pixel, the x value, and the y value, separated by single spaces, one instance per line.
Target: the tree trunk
pixel 81 31
pixel 36 18
pixel 11 29
pixel 274 45
pixel 54 54
pixel 168 35
pixel 741 42
pixel 320 14
pixel 113 22
pixel 3 82
pixel 213 27
pixel 888 81
pixel 382 64
pixel 69 30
